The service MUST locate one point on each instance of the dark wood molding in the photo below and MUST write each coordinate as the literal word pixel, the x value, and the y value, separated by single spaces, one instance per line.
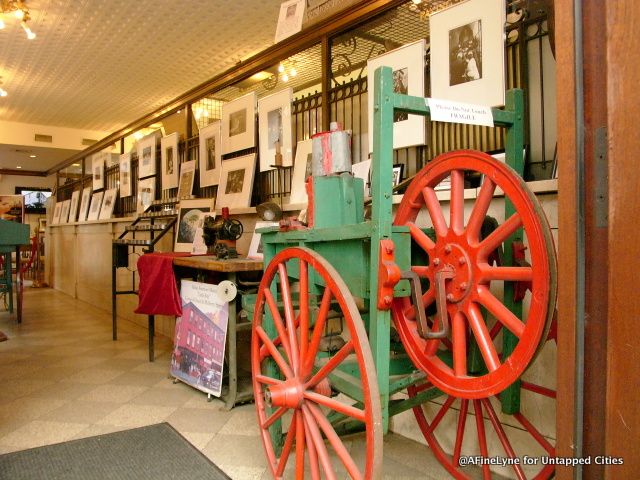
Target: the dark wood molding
pixel 22 173
pixel 328 27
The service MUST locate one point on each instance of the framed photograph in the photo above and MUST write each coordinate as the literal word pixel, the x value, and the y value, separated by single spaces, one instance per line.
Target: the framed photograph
pixel 57 213
pixel 108 202
pixel 169 160
pixel 210 154
pixel 289 19
pixel 238 124
pixel 189 214
pixel 146 193
pixel 42 224
pixel 255 248
pixel 301 170
pixel 64 216
pixel 363 170
pixel 187 174
pixel 97 169
pixel 84 204
pixel 274 121
pixel 467 53
pixel 236 182
pixel 407 63
pixel 125 175
pixel 12 208
pixel 73 210
pixel 96 203
pixel 398 174
pixel 147 156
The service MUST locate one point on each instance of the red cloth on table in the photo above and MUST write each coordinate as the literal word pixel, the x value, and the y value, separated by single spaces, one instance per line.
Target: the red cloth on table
pixel 158 293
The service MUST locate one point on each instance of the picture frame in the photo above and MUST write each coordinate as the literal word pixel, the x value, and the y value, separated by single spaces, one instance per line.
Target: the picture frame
pixel 96 203
pixel 42 224
pixel 64 215
pixel 169 160
pixel 289 19
pixel 147 156
pixel 210 150
pixel 238 124
pixel 146 194
pixel 73 210
pixel 363 170
pixel 189 214
pixel 84 204
pixel 236 182
pixel 108 202
pixel 187 175
pixel 97 171
pixel 398 174
pixel 255 248
pixel 57 213
pixel 125 175
pixel 407 63
pixel 467 41
pixel 274 122
pixel 301 170
pixel 12 208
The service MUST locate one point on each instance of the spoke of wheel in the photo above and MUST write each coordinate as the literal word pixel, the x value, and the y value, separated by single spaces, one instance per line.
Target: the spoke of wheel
pixel 286 448
pixel 275 416
pixel 500 311
pixel 276 341
pixel 314 465
pixel 421 388
pixel 428 298
pixel 267 380
pixel 500 234
pixel 304 309
pixel 300 443
pixel 480 209
pixel 335 441
pixel 321 449
pixel 275 354
pixel 482 437
pixel 511 274
pixel 443 409
pixel 420 237
pixel 277 322
pixel 288 314
pixel 435 211
pixel 331 364
pixel 456 204
pixel 535 433
pixel 462 421
pixel 318 330
pixel 459 337
pixel 539 389
pixel 336 405
pixel 421 270
pixel 479 329
pixel 508 449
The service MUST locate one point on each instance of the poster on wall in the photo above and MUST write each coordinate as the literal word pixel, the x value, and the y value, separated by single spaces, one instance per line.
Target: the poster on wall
pixel 468 54
pixel 199 341
pixel 12 208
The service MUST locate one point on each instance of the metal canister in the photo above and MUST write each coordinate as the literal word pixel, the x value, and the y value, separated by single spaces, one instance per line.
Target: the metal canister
pixel 331 151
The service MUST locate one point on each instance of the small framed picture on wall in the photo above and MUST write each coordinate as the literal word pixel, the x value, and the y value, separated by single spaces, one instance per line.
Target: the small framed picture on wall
pixel 169 160
pixel 239 124
pixel 210 150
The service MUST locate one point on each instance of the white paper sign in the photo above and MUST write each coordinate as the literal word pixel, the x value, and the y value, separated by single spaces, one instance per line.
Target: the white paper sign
pixel 458 112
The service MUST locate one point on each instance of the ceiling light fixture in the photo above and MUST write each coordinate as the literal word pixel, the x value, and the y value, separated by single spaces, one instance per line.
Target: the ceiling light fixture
pixel 18 166
pixel 32 156
pixel 20 11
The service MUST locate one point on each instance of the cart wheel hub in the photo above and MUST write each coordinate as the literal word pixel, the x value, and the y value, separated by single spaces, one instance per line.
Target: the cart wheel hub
pixel 453 257
pixel 287 394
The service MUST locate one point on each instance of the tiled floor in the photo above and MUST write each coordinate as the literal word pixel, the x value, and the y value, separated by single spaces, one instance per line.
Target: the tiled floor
pixel 62 377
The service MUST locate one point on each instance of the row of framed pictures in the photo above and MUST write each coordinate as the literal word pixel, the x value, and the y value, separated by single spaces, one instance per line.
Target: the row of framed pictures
pixel 98 206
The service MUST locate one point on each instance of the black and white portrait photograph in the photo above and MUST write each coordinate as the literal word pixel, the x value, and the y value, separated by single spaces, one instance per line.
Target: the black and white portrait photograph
pixel 401 85
pixel 186 183
pixel 235 181
pixel 291 10
pixel 146 156
pixel 237 122
pixel 169 164
pixel 211 153
pixel 274 120
pixel 97 173
pixel 465 53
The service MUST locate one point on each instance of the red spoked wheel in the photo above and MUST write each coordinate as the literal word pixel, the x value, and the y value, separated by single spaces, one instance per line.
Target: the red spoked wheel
pixel 295 401
pixel 458 260
pixel 448 424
